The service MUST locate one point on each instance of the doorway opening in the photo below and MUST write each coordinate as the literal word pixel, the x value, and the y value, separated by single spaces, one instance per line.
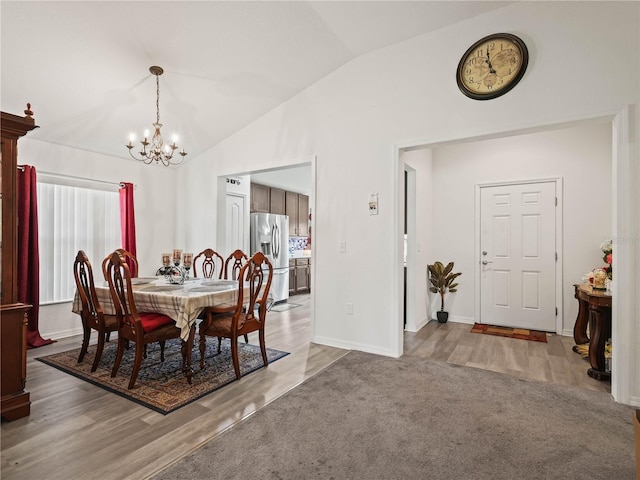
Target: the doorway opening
pixel 622 207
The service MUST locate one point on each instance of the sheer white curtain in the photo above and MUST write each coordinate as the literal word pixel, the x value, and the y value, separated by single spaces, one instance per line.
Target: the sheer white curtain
pixel 73 215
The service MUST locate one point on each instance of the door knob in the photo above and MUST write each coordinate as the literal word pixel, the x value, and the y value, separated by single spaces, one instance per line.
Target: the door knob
pixel 484 262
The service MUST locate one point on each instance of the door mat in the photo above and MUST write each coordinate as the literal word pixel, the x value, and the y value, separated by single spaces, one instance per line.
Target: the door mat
pixel 161 386
pixel 283 307
pixel 519 333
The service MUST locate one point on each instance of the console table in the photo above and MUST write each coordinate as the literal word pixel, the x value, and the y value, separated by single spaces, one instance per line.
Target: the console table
pixel 593 305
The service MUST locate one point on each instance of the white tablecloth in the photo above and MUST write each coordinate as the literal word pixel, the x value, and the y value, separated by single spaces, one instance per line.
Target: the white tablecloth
pixel 183 303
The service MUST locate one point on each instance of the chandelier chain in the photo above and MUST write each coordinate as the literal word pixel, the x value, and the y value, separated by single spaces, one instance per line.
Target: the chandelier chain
pixel 157 98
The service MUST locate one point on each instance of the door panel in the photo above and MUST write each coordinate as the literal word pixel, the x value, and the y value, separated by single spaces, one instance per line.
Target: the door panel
pixel 235 228
pixel 517 244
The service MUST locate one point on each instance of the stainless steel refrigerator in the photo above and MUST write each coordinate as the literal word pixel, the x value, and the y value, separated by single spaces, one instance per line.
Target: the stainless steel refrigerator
pixel 270 235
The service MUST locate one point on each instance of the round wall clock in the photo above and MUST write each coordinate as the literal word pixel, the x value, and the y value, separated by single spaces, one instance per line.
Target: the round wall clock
pixel 492 66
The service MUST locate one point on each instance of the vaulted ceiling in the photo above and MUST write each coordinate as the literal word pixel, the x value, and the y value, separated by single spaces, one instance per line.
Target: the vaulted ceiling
pixel 84 65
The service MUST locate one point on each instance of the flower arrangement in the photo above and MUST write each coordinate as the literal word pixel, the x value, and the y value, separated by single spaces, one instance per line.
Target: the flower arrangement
pixel 607 257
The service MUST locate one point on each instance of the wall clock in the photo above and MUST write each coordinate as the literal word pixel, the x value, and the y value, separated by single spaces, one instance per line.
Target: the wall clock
pixel 492 66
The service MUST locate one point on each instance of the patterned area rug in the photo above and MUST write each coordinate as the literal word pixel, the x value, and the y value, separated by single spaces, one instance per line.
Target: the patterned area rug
pixel 161 386
pixel 520 333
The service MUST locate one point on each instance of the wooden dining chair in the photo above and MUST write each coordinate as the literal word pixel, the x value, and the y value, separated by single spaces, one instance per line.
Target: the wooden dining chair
pixel 92 315
pixel 233 264
pixel 256 276
pixel 132 261
pixel 211 264
pixel 139 328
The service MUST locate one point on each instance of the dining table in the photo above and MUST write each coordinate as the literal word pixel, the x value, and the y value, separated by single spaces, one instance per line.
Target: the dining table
pixel 181 302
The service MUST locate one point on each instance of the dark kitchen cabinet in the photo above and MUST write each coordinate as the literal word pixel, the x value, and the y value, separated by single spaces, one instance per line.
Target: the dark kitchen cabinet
pixel 299 275
pixel 276 204
pixel 260 198
pixel 297 207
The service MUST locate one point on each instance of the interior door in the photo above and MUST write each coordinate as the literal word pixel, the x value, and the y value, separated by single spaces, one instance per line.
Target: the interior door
pixel 236 234
pixel 518 255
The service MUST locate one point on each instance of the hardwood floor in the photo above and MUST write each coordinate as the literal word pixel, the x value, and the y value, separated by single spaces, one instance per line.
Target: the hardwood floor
pixel 79 431
pixel 553 361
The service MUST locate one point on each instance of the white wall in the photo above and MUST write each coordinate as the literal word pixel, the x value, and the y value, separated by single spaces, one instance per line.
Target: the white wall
pixel 155 210
pixel 355 118
pixel 580 156
pixel 419 300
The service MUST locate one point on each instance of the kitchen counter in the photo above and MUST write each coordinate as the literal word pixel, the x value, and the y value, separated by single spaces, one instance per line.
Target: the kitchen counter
pixel 300 254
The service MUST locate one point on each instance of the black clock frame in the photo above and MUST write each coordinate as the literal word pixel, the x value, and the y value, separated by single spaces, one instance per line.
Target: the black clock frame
pixel 488 96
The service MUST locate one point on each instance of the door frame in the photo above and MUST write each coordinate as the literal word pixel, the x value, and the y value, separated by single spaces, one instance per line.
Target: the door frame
pixel 476 255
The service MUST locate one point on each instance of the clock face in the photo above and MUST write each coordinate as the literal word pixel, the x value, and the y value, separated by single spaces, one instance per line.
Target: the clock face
pixel 492 66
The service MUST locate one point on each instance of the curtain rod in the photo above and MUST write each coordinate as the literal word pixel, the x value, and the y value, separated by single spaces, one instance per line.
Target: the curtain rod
pixel 72 177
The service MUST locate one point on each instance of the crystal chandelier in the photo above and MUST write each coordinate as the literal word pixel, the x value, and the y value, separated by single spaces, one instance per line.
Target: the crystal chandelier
pixel 157 151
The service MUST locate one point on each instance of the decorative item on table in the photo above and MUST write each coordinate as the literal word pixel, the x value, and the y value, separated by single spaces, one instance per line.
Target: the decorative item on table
pixel 187 262
pixel 175 273
pixel 177 255
pixel 599 279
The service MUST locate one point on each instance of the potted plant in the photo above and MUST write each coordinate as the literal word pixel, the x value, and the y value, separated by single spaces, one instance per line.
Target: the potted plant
pixel 442 281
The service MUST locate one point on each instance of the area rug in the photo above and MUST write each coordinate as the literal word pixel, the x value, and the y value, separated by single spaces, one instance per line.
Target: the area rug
pixel 519 333
pixel 161 386
pixel 283 307
pixel 373 417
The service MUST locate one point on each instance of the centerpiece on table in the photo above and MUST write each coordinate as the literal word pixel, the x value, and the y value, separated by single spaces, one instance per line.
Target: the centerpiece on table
pixel 176 273
pixel 600 278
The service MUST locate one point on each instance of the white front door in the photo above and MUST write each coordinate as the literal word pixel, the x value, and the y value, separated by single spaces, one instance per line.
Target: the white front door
pixel 518 255
pixel 236 235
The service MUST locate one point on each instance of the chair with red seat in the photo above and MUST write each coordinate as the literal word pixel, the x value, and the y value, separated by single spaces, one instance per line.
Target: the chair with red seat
pixel 131 261
pixel 92 315
pixel 249 314
pixel 140 328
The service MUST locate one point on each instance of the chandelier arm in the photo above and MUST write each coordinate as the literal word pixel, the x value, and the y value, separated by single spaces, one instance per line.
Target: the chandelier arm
pixel 145 158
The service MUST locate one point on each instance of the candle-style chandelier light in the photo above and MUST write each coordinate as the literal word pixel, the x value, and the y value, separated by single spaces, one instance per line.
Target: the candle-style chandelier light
pixel 157 151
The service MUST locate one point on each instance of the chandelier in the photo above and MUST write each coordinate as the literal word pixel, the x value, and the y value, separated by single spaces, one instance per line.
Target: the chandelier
pixel 157 150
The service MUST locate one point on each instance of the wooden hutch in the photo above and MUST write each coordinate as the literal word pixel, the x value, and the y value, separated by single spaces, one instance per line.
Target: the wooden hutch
pixel 15 401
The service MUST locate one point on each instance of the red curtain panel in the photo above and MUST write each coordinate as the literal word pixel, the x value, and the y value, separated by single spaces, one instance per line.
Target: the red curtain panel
pixel 128 220
pixel 28 254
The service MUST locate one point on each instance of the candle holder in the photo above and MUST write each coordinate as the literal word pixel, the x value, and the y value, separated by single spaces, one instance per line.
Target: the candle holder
pixel 175 273
pixel 187 262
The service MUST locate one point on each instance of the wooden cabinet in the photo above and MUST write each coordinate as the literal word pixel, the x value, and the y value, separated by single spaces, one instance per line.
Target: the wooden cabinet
pixel 299 275
pixel 276 204
pixel 297 207
pixel 15 400
pixel 275 200
pixel 260 198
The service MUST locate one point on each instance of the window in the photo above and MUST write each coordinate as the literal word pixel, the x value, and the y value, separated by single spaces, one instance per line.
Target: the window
pixel 73 215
